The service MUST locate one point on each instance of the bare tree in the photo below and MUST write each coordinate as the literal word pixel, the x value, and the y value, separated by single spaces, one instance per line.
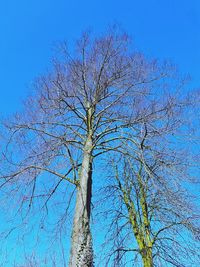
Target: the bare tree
pixel 83 108
pixel 156 210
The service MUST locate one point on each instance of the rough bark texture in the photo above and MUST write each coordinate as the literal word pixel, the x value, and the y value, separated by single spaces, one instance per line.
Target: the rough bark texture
pixel 147 258
pixel 81 248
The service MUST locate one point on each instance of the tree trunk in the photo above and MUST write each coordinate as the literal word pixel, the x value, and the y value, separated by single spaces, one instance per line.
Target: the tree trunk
pixel 147 258
pixel 81 247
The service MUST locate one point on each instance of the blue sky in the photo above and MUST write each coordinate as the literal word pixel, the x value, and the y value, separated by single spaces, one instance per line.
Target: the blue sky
pixel 30 28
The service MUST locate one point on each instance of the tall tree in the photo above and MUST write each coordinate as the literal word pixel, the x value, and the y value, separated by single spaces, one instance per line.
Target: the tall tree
pixel 84 107
pixel 154 192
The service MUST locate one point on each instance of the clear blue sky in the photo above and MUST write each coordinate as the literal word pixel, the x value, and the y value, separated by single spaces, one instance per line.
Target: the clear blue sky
pixel 29 29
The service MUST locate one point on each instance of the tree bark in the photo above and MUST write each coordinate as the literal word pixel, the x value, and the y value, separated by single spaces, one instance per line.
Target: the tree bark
pixel 81 247
pixel 147 258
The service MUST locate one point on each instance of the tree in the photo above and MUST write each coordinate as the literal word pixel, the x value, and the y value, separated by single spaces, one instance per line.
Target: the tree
pixel 154 181
pixel 83 108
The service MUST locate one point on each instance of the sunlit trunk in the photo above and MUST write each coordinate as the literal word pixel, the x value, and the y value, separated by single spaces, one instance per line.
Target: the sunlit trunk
pixel 147 258
pixel 81 247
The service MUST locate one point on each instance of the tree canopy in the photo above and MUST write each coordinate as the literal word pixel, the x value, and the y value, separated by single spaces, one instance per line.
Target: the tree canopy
pixel 106 103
